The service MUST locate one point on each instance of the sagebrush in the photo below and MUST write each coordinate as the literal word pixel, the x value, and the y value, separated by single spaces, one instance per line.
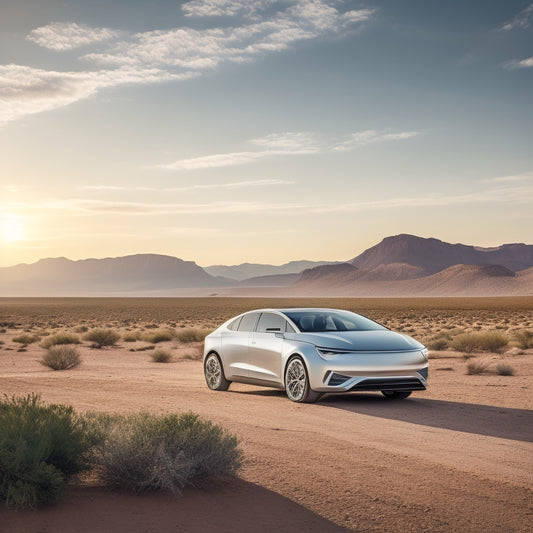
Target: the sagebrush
pixel 60 338
pixel 61 357
pixel 102 337
pixel 41 446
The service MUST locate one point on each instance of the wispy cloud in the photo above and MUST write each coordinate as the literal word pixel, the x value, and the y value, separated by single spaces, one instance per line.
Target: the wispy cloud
pixel 163 55
pixel 520 63
pixel 503 192
pixel 526 176
pixel 61 36
pixel 362 138
pixel 284 144
pixel 522 20
pixel 27 90
pixel 199 187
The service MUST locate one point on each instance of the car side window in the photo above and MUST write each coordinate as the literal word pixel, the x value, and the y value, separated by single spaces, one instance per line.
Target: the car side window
pixel 234 324
pixel 289 328
pixel 248 322
pixel 269 322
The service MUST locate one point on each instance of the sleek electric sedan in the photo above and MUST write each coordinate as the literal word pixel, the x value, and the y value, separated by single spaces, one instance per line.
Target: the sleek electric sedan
pixel 309 352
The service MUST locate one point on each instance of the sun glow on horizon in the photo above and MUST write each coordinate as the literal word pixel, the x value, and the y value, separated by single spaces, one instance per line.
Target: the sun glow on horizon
pixel 12 230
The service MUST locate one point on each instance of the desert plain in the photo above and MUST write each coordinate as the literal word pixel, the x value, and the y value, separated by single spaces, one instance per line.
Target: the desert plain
pixel 456 457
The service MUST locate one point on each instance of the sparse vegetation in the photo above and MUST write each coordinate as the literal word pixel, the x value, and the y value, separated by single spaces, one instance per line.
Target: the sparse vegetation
pixel 504 369
pixel 158 336
pixel 161 356
pixel 145 452
pixel 192 335
pixel 61 357
pixel 102 337
pixel 132 337
pixel 41 446
pixel 466 343
pixel 477 366
pixel 524 338
pixel 26 338
pixel 60 338
pixel 492 341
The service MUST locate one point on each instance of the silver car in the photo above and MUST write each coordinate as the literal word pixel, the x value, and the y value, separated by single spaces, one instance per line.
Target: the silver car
pixel 309 352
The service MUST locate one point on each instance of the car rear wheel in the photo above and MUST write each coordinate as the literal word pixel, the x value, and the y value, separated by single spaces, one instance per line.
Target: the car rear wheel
pixel 214 373
pixel 396 394
pixel 297 383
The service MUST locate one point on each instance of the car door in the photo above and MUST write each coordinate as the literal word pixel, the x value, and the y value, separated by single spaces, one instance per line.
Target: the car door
pixel 235 346
pixel 266 344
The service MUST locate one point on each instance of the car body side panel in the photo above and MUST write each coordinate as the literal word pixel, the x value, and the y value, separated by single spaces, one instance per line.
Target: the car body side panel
pixel 265 356
pixel 234 353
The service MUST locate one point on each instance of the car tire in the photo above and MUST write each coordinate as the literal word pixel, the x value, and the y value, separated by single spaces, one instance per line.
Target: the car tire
pixel 396 394
pixel 214 373
pixel 297 382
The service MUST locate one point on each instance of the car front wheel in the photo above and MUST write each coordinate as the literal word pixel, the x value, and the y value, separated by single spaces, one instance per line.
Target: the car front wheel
pixel 214 373
pixel 396 394
pixel 297 383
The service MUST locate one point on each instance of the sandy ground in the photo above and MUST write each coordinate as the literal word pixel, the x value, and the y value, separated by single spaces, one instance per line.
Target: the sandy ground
pixel 458 457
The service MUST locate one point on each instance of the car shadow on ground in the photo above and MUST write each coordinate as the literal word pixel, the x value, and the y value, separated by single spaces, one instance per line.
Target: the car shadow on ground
pixel 507 423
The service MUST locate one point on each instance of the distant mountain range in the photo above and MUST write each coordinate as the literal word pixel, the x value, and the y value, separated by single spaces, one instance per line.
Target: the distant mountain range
pixel 401 265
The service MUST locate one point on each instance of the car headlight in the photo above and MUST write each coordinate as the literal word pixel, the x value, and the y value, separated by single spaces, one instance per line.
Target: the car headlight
pixel 327 353
pixel 425 354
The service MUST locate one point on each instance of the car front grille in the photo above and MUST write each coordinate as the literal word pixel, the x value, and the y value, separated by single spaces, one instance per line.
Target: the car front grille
pixel 389 384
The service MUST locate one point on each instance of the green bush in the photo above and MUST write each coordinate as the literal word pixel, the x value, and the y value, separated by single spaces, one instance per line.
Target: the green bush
pixel 524 338
pixel 192 335
pixel 61 357
pixel 102 337
pixel 40 447
pixel 161 356
pixel 60 338
pixel 26 338
pixel 158 336
pixel 145 452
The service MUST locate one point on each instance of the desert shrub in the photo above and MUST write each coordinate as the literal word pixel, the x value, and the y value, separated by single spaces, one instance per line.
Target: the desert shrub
pixel 465 342
pixel 492 341
pixel 524 338
pixel 102 337
pixel 132 337
pixel 26 338
pixel 158 336
pixel 81 329
pixel 504 369
pixel 40 447
pixel 145 452
pixel 161 356
pixel 192 335
pixel 60 338
pixel 438 343
pixel 61 357
pixel 477 366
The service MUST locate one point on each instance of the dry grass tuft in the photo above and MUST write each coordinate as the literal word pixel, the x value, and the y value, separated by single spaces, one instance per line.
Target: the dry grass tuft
pixel 26 338
pixel 504 369
pixel 477 366
pixel 192 335
pixel 161 356
pixel 61 357
pixel 102 337
pixel 159 336
pixel 524 338
pixel 60 338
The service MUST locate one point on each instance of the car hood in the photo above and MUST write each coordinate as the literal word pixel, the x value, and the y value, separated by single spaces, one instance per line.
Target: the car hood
pixel 362 341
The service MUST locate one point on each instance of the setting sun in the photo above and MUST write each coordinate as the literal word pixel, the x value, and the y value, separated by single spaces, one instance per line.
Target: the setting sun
pixel 11 228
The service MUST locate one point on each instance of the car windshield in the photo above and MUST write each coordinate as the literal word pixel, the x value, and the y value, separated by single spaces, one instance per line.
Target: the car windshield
pixel 329 320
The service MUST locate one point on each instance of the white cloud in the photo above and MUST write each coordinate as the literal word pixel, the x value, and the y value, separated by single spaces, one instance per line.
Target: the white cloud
pixel 230 185
pixel 161 55
pixel 283 144
pixel 62 36
pixel 27 90
pixel 370 137
pixel 524 63
pixel 526 176
pixel 522 20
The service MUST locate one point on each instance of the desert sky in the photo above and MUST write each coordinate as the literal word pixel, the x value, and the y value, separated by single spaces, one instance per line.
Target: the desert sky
pixel 224 131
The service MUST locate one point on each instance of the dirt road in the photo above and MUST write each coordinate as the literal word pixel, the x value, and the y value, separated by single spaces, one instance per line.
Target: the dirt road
pixel 455 458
